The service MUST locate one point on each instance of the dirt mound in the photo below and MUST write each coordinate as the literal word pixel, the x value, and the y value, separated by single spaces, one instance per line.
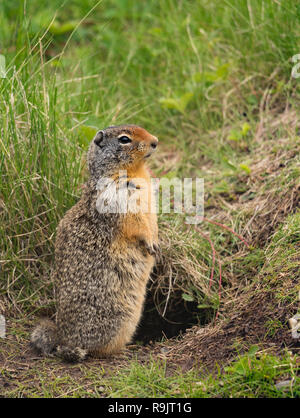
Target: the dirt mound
pixel 249 312
pixel 217 344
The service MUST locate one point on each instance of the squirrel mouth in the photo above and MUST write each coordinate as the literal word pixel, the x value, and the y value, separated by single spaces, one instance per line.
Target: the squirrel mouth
pixel 148 155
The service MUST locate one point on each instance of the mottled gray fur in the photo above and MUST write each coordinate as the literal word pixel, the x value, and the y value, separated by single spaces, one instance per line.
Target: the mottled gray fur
pixel 95 285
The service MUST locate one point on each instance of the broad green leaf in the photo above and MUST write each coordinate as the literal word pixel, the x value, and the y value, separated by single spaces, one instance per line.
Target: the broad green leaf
pixel 240 368
pixel 245 168
pixel 61 28
pixel 86 134
pixel 155 31
pixel 185 99
pixel 2 66
pixel 245 128
pixel 171 174
pixel 198 77
pixel 253 350
pixel 252 99
pixel 187 297
pixel 222 72
pixel 234 135
pixel 179 103
pixel 209 77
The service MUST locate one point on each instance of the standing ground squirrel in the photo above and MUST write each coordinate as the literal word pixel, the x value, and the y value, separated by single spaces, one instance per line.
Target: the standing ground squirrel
pixel 103 259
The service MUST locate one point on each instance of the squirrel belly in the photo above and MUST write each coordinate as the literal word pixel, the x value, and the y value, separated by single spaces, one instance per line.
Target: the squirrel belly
pixel 102 260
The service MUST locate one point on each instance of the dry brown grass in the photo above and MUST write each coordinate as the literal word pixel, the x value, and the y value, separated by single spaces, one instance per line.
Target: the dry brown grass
pixel 272 193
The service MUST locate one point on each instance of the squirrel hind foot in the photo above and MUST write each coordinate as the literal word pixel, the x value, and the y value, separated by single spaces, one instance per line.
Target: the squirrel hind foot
pixel 71 355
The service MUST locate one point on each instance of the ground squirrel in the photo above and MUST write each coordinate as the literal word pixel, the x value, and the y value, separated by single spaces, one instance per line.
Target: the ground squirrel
pixel 103 260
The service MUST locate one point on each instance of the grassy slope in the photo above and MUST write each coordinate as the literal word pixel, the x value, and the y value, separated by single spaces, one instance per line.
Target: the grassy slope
pixel 214 84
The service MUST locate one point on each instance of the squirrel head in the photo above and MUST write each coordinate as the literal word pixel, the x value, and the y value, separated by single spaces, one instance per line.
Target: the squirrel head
pixel 119 148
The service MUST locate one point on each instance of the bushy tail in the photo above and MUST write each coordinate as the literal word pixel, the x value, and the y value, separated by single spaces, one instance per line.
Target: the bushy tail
pixel 44 339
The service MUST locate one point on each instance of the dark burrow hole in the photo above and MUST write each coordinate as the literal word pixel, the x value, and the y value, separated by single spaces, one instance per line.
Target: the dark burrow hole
pixel 179 316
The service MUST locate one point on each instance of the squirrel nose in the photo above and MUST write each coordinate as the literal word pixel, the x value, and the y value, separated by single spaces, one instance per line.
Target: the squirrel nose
pixel 153 145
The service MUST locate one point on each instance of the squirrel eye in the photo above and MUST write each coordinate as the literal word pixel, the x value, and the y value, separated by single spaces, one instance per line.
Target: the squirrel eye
pixel 124 139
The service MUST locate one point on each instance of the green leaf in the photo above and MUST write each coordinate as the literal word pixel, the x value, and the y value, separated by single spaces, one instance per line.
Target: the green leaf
pixel 86 134
pixel 61 28
pixel 198 77
pixel 253 350
pixel 209 77
pixel 252 99
pixel 56 63
pixel 185 99
pixel 240 368
pixel 187 297
pixel 203 306
pixel 245 128
pixel 178 104
pixel 235 135
pixel 228 164
pixel 245 168
pixel 222 72
pixel 157 31
pixel 171 174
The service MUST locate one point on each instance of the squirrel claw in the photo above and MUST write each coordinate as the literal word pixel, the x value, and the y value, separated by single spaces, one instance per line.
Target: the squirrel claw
pixel 156 248
pixel 152 249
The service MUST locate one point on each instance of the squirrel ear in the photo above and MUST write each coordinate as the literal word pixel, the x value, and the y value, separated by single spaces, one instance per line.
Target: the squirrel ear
pixel 98 138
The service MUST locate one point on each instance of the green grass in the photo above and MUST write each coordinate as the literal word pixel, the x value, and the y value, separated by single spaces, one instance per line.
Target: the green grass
pixel 213 81
pixel 252 375
pixel 185 71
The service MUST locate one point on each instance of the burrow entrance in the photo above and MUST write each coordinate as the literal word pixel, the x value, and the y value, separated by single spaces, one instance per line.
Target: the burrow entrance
pixel 179 315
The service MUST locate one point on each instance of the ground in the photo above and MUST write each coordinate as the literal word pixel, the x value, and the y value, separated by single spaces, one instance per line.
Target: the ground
pixel 256 315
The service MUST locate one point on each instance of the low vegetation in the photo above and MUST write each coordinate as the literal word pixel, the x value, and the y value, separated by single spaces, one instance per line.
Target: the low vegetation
pixel 213 81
